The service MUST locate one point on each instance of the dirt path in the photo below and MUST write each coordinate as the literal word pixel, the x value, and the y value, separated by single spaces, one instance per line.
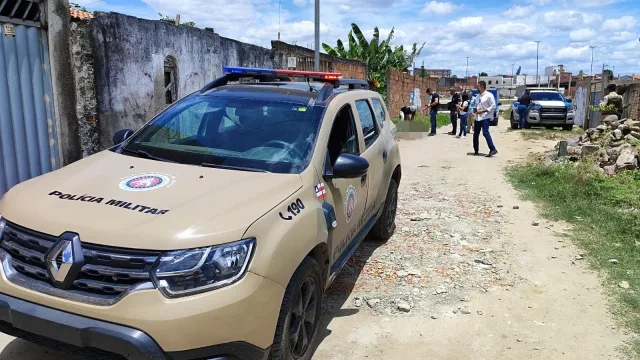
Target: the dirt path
pixel 486 283
pixel 479 281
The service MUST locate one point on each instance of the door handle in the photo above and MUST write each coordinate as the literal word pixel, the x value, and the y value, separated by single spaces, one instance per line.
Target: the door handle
pixel 384 155
pixel 363 179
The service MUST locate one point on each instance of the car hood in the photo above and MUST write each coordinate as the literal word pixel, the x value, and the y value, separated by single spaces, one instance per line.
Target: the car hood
pixel 554 103
pixel 190 206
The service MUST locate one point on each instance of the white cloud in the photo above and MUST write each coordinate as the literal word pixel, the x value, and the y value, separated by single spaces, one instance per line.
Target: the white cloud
pixel 624 23
pixel 438 8
pixel 541 2
pixel 512 29
pixel 582 35
pixel 467 25
pixel 568 20
pixel 595 3
pixel 518 12
pixel 573 53
pixel 301 2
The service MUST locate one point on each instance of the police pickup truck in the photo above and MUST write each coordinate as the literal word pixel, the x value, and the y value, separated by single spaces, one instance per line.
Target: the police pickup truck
pixel 548 108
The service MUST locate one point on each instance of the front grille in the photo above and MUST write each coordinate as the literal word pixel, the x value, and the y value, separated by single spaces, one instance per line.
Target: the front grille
pixel 107 272
pixel 557 110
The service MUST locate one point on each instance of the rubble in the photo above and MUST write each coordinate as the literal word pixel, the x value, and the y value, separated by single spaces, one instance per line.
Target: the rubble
pixel 614 146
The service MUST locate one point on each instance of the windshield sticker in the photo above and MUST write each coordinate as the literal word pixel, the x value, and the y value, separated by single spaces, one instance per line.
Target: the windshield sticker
pixel 321 191
pixel 294 209
pixel 145 182
pixel 350 203
pixel 113 202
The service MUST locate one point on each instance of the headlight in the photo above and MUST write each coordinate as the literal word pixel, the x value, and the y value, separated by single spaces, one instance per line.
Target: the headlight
pixel 534 110
pixel 188 272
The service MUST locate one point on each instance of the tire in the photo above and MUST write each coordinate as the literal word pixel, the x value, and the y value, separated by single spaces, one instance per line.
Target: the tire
pixel 384 228
pixel 514 124
pixel 567 127
pixel 306 275
pixel 527 125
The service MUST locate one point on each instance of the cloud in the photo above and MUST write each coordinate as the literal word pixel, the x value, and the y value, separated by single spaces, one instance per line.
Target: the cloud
pixel 624 23
pixel 512 29
pixel 301 2
pixel 518 12
pixel 467 25
pixel 573 53
pixel 568 20
pixel 582 35
pixel 438 8
pixel 595 3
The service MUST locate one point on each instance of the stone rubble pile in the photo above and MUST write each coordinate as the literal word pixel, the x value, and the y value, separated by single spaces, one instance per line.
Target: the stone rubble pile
pixel 613 145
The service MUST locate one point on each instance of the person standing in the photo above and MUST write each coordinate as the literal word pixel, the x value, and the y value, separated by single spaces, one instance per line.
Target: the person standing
pixel 432 108
pixel 523 108
pixel 472 105
pixel 453 110
pixel 484 114
pixel 463 111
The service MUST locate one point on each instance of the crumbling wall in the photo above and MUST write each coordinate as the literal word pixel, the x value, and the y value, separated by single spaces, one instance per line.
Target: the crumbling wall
pixel 129 57
pixel 399 87
pixel 83 75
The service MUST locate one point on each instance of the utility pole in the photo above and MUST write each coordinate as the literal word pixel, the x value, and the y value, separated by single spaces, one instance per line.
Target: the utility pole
pixel 537 51
pixel 317 19
pixel 592 47
pixel 512 65
pixel 467 71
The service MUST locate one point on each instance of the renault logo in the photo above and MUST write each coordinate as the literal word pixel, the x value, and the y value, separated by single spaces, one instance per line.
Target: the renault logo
pixel 65 260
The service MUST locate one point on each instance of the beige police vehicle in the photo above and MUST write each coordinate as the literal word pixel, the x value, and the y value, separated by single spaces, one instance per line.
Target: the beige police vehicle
pixel 209 233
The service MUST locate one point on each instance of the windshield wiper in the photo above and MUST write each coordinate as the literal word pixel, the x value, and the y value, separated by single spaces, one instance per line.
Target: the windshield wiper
pixel 230 167
pixel 146 155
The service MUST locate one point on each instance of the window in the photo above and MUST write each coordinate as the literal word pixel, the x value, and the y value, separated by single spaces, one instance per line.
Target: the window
pixel 380 115
pixel 344 136
pixel 369 129
pixel 489 82
pixel 546 96
pixel 253 134
pixel 170 80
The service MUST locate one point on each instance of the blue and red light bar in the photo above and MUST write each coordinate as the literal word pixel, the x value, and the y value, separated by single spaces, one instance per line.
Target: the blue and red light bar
pixel 328 76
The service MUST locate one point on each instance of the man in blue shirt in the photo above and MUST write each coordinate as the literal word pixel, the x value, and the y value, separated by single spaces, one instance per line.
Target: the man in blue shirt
pixel 472 106
pixel 433 110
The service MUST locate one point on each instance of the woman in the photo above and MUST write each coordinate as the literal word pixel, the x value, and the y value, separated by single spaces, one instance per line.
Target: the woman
pixel 463 111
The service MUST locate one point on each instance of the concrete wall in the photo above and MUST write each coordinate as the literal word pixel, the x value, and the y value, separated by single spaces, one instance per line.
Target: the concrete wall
pixel 83 74
pixel 64 100
pixel 400 85
pixel 129 55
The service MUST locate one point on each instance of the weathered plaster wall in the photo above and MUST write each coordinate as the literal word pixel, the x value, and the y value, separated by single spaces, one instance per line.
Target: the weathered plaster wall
pixel 57 15
pixel 129 56
pixel 83 74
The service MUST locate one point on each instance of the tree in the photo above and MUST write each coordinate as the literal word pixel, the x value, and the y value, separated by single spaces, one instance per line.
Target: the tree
pixel 483 74
pixel 378 56
pixel 76 6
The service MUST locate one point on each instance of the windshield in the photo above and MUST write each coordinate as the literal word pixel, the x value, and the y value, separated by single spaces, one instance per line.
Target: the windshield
pixel 546 96
pixel 238 133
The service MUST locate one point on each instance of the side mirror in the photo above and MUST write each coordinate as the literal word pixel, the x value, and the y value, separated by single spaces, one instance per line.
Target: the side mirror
pixel 121 135
pixel 348 166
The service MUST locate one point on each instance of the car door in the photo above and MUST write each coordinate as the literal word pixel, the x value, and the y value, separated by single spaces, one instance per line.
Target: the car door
pixel 347 196
pixel 374 152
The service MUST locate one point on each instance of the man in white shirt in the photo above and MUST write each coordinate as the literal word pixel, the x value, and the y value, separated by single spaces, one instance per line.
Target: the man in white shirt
pixel 485 108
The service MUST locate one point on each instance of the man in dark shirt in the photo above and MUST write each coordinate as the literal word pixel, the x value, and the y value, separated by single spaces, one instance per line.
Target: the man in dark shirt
pixel 523 108
pixel 453 110
pixel 432 108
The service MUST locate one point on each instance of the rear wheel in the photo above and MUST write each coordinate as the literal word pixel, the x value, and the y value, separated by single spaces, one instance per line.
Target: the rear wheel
pixel 297 329
pixel 386 224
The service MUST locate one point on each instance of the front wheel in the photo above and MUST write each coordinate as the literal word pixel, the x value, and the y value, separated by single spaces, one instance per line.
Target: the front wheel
pixel 383 229
pixel 297 328
pixel 514 124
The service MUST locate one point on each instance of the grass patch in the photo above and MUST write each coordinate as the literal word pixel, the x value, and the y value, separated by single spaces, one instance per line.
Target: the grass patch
pixel 605 212
pixel 547 134
pixel 421 123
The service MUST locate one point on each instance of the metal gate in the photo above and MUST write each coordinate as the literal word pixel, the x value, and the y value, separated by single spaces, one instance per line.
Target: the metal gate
pixel 28 141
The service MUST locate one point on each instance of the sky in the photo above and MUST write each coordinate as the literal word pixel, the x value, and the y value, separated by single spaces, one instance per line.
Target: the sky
pixel 497 36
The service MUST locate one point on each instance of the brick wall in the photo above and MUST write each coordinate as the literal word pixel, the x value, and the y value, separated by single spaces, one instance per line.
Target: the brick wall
pixel 305 61
pixel 400 85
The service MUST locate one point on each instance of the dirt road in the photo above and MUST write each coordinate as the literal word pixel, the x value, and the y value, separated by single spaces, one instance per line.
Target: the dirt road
pixel 466 276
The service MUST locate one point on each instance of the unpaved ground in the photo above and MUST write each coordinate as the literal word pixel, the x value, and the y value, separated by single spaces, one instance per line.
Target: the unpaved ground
pixel 488 284
pixel 479 280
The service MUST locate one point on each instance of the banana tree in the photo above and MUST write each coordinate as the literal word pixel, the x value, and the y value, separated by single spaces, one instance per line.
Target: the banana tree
pixel 378 56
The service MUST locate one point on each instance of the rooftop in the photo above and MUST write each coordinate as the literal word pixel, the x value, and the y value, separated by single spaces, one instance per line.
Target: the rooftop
pixel 80 14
